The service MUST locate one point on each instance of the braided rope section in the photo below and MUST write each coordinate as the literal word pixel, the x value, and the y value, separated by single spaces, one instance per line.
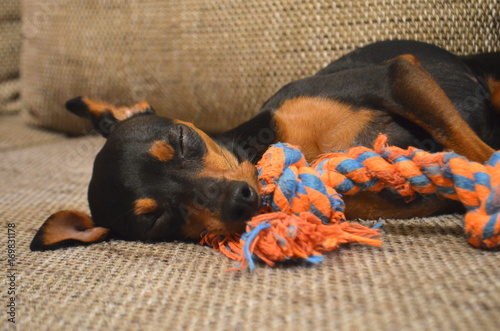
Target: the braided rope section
pixel 302 211
pixel 413 171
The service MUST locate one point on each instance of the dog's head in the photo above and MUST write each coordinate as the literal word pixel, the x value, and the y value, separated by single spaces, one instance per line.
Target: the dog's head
pixel 155 179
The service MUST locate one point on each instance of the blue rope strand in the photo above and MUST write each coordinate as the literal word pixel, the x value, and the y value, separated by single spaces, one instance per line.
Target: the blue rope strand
pixel 248 238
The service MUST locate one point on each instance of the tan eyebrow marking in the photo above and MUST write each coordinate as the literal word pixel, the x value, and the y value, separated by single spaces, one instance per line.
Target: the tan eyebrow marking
pixel 162 151
pixel 144 206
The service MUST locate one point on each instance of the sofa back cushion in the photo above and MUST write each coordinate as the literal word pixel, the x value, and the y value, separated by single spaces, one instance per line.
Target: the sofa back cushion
pixel 10 45
pixel 214 62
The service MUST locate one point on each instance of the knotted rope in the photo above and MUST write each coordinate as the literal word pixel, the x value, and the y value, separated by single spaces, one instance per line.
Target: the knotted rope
pixel 302 210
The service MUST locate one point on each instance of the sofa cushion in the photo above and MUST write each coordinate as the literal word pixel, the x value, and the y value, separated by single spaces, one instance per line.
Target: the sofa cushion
pixel 215 62
pixel 424 277
pixel 14 134
pixel 10 44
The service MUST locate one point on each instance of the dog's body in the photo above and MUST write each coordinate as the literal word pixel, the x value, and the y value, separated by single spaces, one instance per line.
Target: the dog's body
pixel 159 179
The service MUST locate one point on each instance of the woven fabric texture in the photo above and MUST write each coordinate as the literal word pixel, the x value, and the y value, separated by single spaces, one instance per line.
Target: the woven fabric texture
pixel 424 277
pixel 216 62
pixel 15 135
pixel 10 44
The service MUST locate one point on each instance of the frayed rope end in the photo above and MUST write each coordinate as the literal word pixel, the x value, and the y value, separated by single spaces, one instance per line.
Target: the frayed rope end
pixel 278 237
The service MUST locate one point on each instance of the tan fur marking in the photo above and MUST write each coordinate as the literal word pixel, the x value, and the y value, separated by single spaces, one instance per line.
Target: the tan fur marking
pixel 96 108
pixel 66 225
pixel 494 86
pixel 144 206
pixel 126 112
pixel 318 125
pixel 372 206
pixel 162 151
pixel 408 58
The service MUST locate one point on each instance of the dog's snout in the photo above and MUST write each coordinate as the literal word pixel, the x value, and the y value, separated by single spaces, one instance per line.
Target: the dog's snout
pixel 243 202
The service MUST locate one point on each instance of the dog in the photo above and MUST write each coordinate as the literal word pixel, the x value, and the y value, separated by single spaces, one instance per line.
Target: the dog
pixel 159 179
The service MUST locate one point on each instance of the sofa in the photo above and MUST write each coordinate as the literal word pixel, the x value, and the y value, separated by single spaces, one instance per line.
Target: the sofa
pixel 213 63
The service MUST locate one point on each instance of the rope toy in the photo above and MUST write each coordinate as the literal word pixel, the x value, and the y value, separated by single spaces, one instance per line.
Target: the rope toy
pixel 302 211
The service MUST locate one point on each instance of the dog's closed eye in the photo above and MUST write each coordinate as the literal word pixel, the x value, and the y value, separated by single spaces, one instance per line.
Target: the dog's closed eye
pixel 182 140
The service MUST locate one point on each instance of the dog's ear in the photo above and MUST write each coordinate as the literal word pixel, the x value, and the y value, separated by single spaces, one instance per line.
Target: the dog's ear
pixel 67 228
pixel 104 116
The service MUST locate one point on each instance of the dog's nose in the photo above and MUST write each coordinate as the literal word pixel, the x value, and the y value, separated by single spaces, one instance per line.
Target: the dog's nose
pixel 242 202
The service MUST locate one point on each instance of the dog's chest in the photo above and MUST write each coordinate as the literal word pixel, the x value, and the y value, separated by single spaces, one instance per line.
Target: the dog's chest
pixel 318 125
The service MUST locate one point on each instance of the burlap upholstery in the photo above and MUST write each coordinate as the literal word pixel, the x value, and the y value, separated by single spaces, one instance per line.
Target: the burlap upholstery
pixel 14 135
pixel 10 44
pixel 216 62
pixel 425 277
pixel 230 56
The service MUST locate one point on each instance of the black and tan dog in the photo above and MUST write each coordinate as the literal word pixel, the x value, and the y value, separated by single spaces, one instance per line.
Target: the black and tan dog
pixel 160 179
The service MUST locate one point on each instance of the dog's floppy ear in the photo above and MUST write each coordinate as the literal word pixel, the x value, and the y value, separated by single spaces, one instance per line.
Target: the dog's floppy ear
pixel 67 228
pixel 103 115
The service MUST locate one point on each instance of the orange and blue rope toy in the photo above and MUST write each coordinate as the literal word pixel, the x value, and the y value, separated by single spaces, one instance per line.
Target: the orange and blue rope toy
pixel 302 209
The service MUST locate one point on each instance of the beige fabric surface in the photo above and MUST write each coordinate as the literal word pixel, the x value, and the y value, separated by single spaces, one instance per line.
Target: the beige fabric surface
pixel 10 9
pixel 216 62
pixel 10 44
pixel 15 135
pixel 10 100
pixel 425 277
